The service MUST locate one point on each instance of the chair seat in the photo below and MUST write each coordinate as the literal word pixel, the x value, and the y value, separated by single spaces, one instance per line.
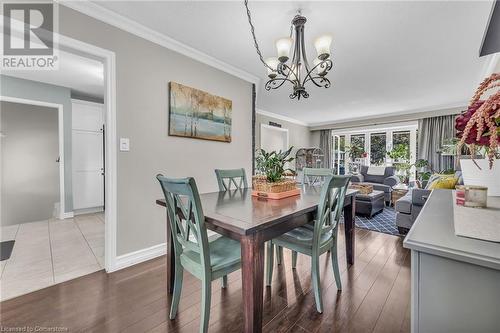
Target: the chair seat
pixel 224 253
pixel 300 239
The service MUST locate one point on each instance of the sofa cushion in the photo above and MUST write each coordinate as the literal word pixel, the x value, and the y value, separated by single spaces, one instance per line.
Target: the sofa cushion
pixel 374 178
pixel 446 182
pixel 404 204
pixel 376 170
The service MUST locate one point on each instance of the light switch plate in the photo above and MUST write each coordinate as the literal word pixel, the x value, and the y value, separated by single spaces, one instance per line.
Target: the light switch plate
pixel 124 144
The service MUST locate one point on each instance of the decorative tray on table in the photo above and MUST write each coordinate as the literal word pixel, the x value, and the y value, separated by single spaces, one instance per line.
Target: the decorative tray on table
pixel 363 188
pixel 277 190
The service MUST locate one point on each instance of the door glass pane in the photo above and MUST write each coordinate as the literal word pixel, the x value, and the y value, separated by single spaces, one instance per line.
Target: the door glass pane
pixel 400 154
pixel 377 148
pixel 339 154
pixel 357 146
pixel 356 152
pixel 401 146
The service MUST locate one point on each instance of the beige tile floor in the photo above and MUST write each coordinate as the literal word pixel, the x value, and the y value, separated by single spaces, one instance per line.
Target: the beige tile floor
pixel 51 251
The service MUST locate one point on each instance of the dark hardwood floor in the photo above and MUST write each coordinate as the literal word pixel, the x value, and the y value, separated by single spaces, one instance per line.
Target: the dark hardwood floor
pixel 375 297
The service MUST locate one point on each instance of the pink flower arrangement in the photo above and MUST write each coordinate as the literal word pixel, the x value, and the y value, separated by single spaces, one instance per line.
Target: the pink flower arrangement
pixel 479 126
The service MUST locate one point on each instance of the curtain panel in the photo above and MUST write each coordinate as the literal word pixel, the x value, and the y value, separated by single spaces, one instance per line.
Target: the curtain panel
pixel 431 134
pixel 326 145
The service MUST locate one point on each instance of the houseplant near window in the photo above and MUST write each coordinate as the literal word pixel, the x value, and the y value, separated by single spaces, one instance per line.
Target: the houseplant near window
pixel 400 156
pixel 272 172
pixel 357 156
pixel 479 130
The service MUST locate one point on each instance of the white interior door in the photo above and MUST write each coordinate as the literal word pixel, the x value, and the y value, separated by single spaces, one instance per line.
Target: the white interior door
pixel 88 161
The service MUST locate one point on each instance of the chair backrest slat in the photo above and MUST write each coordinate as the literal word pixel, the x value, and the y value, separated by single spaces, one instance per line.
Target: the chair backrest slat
pixel 330 206
pixel 185 216
pixel 227 178
pixel 313 176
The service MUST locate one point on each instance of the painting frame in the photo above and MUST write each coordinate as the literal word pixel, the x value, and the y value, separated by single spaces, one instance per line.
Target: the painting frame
pixel 197 114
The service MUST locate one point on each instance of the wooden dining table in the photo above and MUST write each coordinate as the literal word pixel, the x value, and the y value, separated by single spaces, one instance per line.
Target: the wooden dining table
pixel 253 221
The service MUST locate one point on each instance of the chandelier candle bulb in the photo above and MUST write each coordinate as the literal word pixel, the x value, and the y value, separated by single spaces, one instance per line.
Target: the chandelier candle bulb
pixel 283 46
pixel 322 45
pixel 321 68
pixel 273 63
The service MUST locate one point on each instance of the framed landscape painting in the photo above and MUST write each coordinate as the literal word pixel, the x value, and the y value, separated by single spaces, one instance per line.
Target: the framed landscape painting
pixel 197 114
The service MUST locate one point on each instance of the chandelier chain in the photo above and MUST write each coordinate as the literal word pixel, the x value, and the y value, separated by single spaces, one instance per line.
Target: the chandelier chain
pixel 252 30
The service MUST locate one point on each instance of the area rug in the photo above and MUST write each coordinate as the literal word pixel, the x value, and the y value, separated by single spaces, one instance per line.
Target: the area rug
pixel 384 221
pixel 6 249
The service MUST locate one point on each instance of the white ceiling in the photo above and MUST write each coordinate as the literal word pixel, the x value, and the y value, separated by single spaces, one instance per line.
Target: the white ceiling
pixel 82 75
pixel 389 57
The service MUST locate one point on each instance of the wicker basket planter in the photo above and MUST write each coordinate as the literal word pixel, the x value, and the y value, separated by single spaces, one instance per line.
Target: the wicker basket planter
pixel 363 188
pixel 276 190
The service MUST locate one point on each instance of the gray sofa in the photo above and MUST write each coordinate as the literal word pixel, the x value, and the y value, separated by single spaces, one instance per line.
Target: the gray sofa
pixel 408 207
pixel 382 183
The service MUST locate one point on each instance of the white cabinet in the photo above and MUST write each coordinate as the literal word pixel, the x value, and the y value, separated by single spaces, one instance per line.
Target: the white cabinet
pixel 88 155
pixel 455 281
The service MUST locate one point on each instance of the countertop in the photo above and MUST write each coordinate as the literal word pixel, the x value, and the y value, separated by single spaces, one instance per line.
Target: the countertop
pixel 433 232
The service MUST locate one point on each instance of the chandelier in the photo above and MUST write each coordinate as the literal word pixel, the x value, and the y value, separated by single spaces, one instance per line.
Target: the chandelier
pixel 298 71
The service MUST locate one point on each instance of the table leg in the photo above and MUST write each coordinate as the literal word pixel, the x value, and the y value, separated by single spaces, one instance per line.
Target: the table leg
pixel 170 260
pixel 252 267
pixel 349 225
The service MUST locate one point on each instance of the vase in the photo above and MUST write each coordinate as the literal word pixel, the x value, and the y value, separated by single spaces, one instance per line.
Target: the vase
pixel 485 176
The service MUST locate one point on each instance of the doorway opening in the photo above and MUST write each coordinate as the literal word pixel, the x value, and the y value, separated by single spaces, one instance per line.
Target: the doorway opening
pixel 73 240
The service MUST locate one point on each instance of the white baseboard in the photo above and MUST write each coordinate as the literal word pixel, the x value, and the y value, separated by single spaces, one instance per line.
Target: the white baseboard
pixel 136 257
pixel 88 210
pixel 57 213
pixel 67 215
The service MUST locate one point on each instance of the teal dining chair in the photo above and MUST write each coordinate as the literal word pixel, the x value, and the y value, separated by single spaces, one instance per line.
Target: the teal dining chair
pixel 227 178
pixel 319 238
pixel 312 176
pixel 206 260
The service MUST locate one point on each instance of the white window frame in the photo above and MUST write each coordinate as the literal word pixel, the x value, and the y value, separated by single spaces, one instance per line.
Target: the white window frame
pixel 388 129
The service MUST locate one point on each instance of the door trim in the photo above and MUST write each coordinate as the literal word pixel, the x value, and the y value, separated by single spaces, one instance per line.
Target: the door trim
pixel 59 107
pixel 279 129
pixel 110 214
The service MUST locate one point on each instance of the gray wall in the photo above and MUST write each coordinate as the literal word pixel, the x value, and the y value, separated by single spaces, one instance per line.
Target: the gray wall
pixel 298 135
pixel 14 87
pixel 143 70
pixel 30 173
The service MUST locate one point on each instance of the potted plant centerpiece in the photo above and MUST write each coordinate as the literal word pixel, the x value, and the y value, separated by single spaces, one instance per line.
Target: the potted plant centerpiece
pixel 271 181
pixel 479 131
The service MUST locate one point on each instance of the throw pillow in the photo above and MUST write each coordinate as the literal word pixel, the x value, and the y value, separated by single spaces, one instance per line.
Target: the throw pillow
pixel 446 182
pixel 432 179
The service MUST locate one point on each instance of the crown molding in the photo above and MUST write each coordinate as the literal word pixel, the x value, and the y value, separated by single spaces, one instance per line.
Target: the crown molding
pixel 108 16
pixel 280 117
pixel 393 117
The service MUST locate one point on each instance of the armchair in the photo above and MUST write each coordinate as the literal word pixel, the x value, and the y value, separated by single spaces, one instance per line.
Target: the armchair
pixel 408 207
pixel 381 181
